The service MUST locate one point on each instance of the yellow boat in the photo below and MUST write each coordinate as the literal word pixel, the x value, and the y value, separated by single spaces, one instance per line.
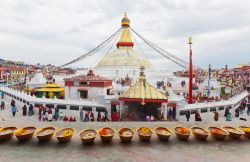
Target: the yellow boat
pixel 64 135
pixel 126 134
pixel 87 136
pixel 234 133
pixel 163 133
pixel 45 134
pixel 200 133
pixel 182 133
pixel 246 130
pixel 25 134
pixel 7 133
pixel 218 133
pixel 106 134
pixel 144 134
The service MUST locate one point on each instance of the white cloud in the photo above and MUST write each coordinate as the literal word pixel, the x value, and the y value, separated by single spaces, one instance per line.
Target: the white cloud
pixel 60 30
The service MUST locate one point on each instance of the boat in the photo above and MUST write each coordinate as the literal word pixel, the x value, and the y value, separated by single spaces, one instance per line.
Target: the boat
pixel 218 133
pixel 25 134
pixel 45 134
pixel 106 134
pixel 200 133
pixel 87 136
pixel 7 133
pixel 64 135
pixel 246 130
pixel 182 133
pixel 144 134
pixel 163 133
pixel 234 133
pixel 126 134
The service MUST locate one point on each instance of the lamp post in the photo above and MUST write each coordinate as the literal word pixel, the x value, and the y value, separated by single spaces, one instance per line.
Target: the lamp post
pixel 190 95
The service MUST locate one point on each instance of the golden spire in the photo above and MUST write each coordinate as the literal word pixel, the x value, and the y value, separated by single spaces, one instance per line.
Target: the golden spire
pixel 125 37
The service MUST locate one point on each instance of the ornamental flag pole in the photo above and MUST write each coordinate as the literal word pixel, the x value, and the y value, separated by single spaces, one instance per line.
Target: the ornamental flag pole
pixel 190 94
pixel 209 78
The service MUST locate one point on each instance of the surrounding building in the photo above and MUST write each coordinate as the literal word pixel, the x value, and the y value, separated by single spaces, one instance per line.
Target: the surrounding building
pixel 87 87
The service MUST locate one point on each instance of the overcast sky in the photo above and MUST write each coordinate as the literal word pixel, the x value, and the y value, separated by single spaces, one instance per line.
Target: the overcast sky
pixel 58 31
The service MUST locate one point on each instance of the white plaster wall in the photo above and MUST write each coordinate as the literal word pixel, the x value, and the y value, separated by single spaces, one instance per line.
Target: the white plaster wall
pixel 72 93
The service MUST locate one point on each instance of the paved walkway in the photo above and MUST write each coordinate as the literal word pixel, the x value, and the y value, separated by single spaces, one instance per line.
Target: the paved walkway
pixel 174 150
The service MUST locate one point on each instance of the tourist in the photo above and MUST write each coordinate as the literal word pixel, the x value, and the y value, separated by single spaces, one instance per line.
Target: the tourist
pixel 226 112
pixel 40 114
pixel 152 118
pixel 31 111
pixel 65 118
pixel 99 118
pixel 86 118
pixel 81 115
pixel 60 116
pixel 237 114
pixel 106 116
pixel 216 116
pixel 13 103
pixel 14 110
pixel 91 116
pixel 50 111
pixel 46 116
pixel 50 117
pixel 56 115
pixel 2 105
pixel 24 110
pixel 197 116
pixel 2 95
pixel 241 108
pixel 43 113
pixel 229 117
pixel 248 108
pixel 188 115
pixel 170 114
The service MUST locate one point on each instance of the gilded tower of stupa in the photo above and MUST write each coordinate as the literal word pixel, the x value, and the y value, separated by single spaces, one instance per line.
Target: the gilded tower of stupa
pixel 125 56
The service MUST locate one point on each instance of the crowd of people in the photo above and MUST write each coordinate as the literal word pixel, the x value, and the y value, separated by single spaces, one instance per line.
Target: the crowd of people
pixel 244 106
pixel 88 116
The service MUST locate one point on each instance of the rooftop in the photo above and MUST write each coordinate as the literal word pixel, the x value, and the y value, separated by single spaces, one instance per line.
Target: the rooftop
pixel 89 77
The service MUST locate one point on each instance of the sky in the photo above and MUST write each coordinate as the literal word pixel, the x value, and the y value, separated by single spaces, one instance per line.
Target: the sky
pixel 55 32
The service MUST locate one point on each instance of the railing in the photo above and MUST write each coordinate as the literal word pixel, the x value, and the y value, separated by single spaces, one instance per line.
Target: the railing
pixel 233 102
pixel 27 98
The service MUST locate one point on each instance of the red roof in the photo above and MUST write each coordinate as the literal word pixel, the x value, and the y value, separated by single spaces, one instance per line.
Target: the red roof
pixel 2 68
pixel 17 68
pixel 89 77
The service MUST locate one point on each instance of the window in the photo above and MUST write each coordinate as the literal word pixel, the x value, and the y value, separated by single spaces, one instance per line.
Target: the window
pixel 49 105
pixel 83 83
pixel 61 106
pixel 74 107
pixel 203 110
pixel 108 91
pixel 193 111
pixel 183 112
pixel 212 109
pixel 87 108
pixel 84 94
pixel 221 108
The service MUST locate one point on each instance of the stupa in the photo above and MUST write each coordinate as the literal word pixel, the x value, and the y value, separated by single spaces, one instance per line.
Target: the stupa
pixel 125 56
